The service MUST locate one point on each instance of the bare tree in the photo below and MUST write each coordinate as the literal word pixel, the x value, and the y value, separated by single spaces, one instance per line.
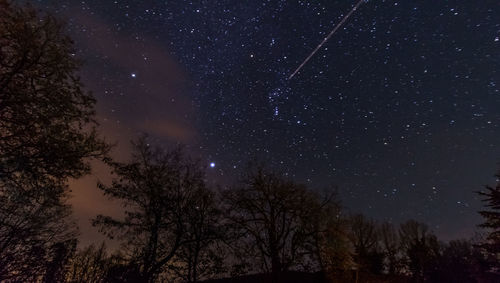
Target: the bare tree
pixel 332 243
pixel 58 264
pixel 273 220
pixel 364 238
pixel 159 191
pixel 32 222
pixel 421 249
pixel 89 265
pixel 201 257
pixel 389 242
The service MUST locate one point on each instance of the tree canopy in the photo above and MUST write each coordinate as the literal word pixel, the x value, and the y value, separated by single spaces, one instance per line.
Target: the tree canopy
pixel 160 192
pixel 47 135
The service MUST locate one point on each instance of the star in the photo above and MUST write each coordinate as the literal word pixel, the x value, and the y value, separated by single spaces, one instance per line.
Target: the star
pixel 380 105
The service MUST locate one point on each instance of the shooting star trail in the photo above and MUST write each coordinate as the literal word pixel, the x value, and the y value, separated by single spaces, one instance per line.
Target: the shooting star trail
pixel 326 38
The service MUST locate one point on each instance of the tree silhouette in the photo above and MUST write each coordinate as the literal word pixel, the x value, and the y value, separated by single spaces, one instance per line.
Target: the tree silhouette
pixel 421 249
pixel 200 256
pixel 43 107
pixel 91 265
pixel 460 261
pixel 33 220
pixel 332 244
pixel 492 221
pixel 47 134
pixel 273 220
pixel 364 237
pixel 389 242
pixel 57 266
pixel 159 191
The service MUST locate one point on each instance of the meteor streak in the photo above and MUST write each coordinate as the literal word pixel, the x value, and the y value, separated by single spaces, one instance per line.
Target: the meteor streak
pixel 326 38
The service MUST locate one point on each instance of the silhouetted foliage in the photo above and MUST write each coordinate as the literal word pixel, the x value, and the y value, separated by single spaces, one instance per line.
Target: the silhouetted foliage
pixel 160 192
pixel 121 270
pixel 43 107
pixel 421 249
pixel 365 238
pixel 492 223
pixel 90 265
pixel 390 247
pixel 288 277
pixel 58 264
pixel 460 261
pixel 201 256
pixel 47 133
pixel 331 243
pixel 33 221
pixel 274 221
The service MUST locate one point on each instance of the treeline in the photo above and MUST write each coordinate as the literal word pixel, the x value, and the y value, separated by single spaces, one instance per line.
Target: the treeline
pixel 175 227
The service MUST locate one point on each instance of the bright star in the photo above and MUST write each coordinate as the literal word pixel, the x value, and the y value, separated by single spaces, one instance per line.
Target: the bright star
pixel 133 75
pixel 212 164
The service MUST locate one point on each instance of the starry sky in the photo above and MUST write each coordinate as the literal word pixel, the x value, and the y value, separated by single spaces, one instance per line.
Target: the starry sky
pixel 400 108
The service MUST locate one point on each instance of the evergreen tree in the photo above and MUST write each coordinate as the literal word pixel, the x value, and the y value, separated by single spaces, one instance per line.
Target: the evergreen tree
pixel 492 221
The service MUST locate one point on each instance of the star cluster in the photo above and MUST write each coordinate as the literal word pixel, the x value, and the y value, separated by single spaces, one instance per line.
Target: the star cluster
pixel 400 109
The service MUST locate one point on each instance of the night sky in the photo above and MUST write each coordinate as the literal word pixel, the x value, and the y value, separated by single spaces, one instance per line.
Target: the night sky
pixel 400 108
